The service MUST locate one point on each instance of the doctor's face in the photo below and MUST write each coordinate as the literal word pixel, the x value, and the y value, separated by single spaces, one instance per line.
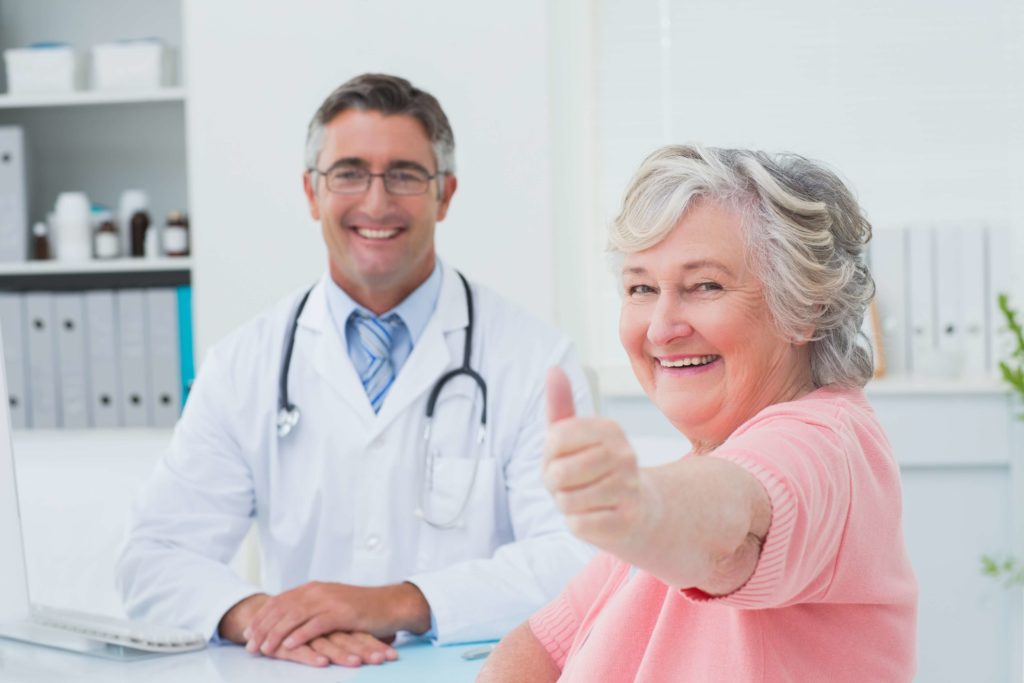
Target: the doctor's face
pixel 380 245
pixel 699 333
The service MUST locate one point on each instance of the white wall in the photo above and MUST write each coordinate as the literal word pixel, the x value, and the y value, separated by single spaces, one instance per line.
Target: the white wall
pixel 257 72
pixel 918 104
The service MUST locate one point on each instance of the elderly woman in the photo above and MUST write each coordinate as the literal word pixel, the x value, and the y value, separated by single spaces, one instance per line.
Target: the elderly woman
pixel 773 551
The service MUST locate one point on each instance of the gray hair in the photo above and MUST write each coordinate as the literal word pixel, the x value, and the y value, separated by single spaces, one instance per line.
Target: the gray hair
pixel 388 95
pixel 805 236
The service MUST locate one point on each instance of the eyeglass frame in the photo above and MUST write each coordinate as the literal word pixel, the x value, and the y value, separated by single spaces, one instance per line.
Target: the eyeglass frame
pixel 383 177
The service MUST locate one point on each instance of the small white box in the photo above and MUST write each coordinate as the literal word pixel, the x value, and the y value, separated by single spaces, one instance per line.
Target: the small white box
pixel 130 65
pixel 46 68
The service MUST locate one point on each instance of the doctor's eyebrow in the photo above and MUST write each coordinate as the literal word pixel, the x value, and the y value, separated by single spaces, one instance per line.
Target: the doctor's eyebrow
pixel 363 163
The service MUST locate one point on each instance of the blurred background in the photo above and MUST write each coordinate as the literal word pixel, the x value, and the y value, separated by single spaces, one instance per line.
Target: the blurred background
pixel 193 114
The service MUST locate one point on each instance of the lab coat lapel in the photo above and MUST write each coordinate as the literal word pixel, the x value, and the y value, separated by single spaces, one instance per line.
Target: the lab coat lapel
pixel 431 356
pixel 330 354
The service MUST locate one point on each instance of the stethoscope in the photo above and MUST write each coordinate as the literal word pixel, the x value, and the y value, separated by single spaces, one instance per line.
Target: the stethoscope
pixel 288 413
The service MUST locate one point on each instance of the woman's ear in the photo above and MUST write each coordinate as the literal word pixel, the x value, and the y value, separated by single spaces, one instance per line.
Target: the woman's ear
pixel 803 335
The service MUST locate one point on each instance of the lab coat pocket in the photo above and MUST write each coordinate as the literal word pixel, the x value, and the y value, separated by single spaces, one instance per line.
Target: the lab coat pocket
pixel 452 487
pixel 459 512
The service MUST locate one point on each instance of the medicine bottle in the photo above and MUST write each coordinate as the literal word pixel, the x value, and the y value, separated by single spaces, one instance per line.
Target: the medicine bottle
pixel 139 224
pixel 176 234
pixel 106 243
pixel 40 242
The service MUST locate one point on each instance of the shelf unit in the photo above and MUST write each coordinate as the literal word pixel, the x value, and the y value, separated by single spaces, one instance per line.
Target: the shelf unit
pixel 125 265
pixel 112 274
pixel 99 142
pixel 88 97
pixel 132 311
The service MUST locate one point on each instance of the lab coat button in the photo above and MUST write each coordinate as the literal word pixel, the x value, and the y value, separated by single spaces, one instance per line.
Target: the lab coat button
pixel 372 541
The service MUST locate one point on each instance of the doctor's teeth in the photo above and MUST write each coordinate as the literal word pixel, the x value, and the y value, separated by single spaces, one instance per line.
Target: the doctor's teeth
pixel 376 234
pixel 686 362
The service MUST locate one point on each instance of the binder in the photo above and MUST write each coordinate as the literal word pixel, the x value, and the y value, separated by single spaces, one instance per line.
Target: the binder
pixel 889 269
pixel 44 403
pixel 999 254
pixel 164 357
pixel 135 375
pixel 13 206
pixel 974 301
pixel 12 329
pixel 950 283
pixel 188 367
pixel 69 330
pixel 921 301
pixel 102 344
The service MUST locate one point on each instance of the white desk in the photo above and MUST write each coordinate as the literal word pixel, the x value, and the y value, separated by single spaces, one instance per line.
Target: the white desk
pixel 417 661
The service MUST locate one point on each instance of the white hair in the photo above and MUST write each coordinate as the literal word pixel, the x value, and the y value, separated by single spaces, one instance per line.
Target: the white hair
pixel 805 236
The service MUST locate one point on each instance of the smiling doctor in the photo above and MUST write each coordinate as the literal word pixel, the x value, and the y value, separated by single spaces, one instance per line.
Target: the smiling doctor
pixel 311 421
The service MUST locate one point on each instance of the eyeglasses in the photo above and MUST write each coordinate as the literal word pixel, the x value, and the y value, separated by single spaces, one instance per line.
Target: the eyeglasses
pixel 355 179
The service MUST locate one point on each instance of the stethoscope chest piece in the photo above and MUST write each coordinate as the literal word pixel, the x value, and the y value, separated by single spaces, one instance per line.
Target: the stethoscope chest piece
pixel 287 418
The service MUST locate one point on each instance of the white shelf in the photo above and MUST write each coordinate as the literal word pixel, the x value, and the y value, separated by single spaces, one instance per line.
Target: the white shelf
pixel 894 386
pixel 90 97
pixel 619 382
pixel 121 265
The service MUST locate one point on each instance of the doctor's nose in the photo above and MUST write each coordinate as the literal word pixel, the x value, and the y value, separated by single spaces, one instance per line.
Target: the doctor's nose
pixel 375 199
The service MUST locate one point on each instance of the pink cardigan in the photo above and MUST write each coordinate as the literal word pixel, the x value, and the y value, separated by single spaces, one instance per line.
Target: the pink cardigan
pixel 833 597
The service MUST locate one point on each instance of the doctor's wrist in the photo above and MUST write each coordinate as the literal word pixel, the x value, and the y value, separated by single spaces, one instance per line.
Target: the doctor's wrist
pixel 237 619
pixel 410 609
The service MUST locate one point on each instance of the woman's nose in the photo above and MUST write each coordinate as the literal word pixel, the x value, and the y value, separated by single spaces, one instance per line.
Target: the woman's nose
pixel 668 322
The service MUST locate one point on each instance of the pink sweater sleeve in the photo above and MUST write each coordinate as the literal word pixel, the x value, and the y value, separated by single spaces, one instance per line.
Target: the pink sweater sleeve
pixel 557 624
pixel 804 466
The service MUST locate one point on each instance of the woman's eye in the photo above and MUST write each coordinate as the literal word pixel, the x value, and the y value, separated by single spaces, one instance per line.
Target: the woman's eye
pixel 635 290
pixel 708 287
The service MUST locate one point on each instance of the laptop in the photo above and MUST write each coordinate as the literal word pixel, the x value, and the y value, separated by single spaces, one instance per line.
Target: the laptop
pixel 20 619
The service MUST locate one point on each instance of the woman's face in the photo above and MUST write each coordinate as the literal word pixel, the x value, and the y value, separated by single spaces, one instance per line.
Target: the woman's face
pixel 698 332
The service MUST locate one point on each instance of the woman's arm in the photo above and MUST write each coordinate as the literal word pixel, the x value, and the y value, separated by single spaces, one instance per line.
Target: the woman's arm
pixel 697 522
pixel 718 514
pixel 519 657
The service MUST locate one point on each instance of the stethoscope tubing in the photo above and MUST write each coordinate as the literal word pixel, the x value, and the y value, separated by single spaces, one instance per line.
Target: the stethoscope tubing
pixel 288 414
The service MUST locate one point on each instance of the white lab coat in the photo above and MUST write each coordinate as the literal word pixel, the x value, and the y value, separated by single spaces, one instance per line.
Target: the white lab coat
pixel 335 499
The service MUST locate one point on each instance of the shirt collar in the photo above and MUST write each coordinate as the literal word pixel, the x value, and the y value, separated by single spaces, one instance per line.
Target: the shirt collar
pixel 414 310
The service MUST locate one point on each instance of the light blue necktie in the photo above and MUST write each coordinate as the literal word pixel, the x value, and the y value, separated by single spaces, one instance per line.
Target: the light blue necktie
pixel 376 337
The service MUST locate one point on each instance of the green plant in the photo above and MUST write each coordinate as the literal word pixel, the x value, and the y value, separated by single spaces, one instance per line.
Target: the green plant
pixel 1009 570
pixel 1012 368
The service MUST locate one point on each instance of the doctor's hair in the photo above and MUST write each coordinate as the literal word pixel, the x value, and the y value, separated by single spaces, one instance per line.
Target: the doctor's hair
pixel 388 95
pixel 805 236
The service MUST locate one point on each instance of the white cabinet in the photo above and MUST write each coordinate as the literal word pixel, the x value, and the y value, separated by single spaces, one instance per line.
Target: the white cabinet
pixel 962 461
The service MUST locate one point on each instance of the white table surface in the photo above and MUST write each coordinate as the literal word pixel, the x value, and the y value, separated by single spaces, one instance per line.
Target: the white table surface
pixel 418 661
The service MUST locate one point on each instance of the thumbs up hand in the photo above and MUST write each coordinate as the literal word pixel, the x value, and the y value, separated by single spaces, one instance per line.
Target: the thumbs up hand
pixel 592 472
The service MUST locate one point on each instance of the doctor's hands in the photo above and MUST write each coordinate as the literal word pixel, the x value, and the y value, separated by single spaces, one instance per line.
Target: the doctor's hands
pixel 592 472
pixel 339 623
pixel 345 649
